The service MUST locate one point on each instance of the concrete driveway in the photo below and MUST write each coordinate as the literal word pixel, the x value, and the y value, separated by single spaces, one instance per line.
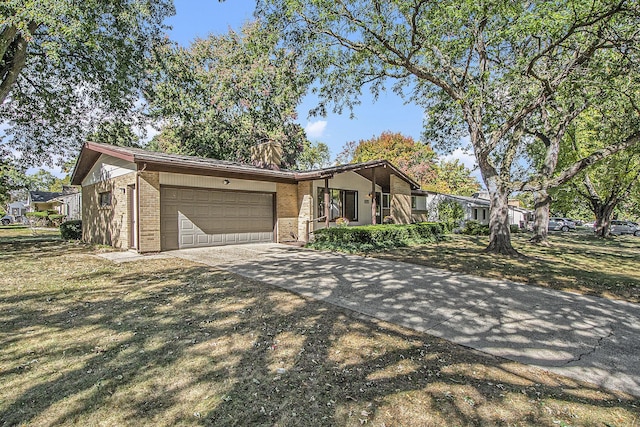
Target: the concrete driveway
pixel 586 338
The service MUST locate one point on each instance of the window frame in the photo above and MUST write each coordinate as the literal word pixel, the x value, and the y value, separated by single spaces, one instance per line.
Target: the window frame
pixel 339 195
pixel 105 199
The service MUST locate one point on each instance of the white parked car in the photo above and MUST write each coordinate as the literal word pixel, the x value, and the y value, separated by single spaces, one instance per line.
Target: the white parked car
pixel 561 224
pixel 7 219
pixel 624 227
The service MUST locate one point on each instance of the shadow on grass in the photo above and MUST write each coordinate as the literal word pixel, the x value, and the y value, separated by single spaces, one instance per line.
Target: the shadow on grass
pixel 171 344
pixel 575 262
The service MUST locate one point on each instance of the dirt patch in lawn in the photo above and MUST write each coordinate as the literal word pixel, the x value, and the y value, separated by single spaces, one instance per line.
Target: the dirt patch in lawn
pixel 165 342
pixel 573 262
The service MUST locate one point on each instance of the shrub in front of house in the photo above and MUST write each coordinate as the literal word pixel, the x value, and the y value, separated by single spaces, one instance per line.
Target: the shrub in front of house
pixel 474 228
pixel 45 218
pixel 367 238
pixel 71 230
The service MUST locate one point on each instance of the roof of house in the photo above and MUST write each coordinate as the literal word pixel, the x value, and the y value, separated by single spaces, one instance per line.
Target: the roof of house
pixel 42 196
pixel 155 161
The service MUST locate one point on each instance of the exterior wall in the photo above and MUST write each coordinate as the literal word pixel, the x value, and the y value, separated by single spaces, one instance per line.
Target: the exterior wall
pixel 149 212
pixel 347 181
pixel 181 180
pixel 46 206
pixel 72 206
pixel 420 213
pixel 286 212
pixel 305 210
pixel 400 200
pixel 107 168
pixel 106 225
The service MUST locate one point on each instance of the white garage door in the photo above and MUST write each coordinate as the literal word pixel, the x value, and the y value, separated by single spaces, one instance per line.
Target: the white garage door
pixel 203 217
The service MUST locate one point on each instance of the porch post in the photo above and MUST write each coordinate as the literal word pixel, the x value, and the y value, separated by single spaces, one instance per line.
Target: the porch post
pixel 373 197
pixel 327 201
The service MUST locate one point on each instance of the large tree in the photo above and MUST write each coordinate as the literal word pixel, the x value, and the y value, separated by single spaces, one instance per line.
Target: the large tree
pixel 314 155
pixel 563 135
pixel 224 94
pixel 415 159
pixel 606 185
pixel 418 160
pixel 491 64
pixel 66 65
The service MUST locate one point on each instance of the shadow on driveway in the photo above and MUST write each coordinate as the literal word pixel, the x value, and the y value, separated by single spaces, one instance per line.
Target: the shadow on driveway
pixel 582 337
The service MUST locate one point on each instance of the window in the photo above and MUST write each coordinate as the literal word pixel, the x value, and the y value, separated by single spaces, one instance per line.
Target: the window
pixel 386 200
pixel 342 203
pixel 414 202
pixel 105 199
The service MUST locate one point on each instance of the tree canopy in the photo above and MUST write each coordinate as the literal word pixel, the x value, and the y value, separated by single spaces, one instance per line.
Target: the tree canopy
pixel 416 159
pixel 480 68
pixel 226 93
pixel 65 66
pixel 314 155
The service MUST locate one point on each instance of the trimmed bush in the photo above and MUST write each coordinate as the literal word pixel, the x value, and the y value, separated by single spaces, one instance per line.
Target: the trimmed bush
pixel 474 228
pixel 450 214
pixel 40 214
pixel 514 228
pixel 366 238
pixel 71 230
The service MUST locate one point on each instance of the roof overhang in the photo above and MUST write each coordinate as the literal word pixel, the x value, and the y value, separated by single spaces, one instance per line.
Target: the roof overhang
pixel 382 169
pixel 162 162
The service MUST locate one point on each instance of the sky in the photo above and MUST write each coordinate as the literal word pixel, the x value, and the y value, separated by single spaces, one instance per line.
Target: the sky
pixel 199 18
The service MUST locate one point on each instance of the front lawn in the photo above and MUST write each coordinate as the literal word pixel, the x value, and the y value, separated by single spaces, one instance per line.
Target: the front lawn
pixel 166 342
pixel 576 262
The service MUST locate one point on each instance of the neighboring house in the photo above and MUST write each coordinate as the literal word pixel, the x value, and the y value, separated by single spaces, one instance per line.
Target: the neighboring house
pixel 71 202
pixel 424 206
pixel 17 209
pixel 42 201
pixel 148 201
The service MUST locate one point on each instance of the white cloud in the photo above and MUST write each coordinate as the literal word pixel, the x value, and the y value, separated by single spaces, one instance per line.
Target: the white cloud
pixel 465 157
pixel 468 159
pixel 315 129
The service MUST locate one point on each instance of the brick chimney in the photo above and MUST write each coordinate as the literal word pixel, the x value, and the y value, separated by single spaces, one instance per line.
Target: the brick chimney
pixel 267 155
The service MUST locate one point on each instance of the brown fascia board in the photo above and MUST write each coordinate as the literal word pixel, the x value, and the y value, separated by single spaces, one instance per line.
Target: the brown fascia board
pixel 200 166
pixel 354 167
pixel 89 155
pixel 147 160
pixel 161 162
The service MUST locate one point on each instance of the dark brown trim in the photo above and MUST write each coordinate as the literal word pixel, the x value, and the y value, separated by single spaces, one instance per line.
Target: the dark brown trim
pixel 162 162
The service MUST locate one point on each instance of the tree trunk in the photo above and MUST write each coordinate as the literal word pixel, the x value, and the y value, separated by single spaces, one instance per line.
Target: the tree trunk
pixel 602 226
pixel 14 57
pixel 500 237
pixel 542 200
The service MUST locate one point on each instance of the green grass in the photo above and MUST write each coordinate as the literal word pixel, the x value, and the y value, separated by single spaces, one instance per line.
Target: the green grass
pixel 576 262
pixel 166 342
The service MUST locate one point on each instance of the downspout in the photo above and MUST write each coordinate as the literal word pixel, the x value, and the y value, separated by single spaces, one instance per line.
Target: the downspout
pixel 374 219
pixel 327 210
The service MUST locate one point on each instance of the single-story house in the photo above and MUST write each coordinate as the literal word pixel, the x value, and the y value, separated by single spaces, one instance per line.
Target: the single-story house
pixel 70 202
pixel 42 201
pixel 17 209
pixel 424 206
pixel 150 201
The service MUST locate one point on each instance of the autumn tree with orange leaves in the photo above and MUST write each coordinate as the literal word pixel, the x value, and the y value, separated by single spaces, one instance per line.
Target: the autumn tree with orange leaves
pixel 416 159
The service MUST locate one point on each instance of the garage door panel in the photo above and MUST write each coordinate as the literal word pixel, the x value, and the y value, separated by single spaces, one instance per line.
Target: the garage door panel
pixel 206 217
